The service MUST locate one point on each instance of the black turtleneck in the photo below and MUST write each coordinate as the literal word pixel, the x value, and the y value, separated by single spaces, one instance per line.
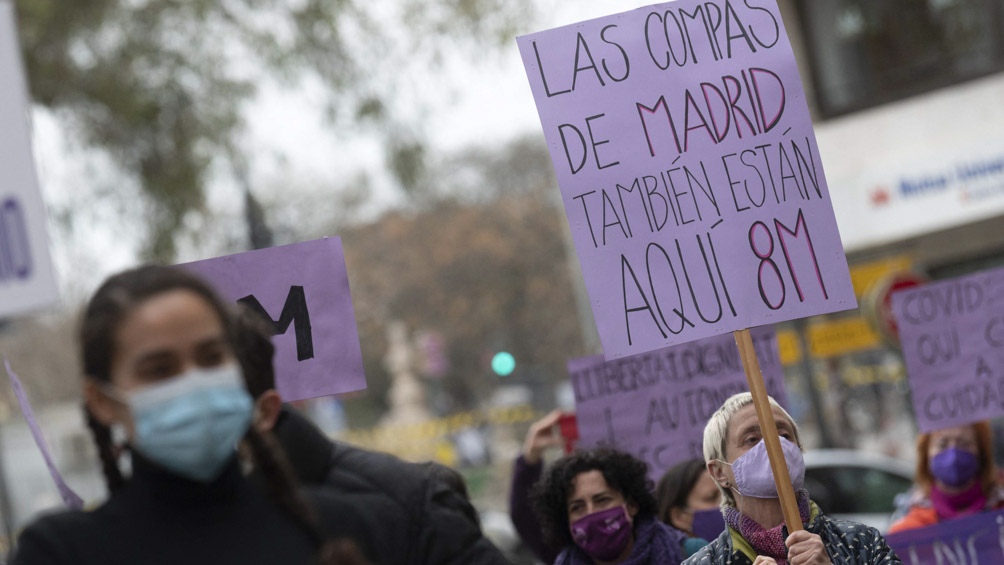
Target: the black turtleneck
pixel 161 518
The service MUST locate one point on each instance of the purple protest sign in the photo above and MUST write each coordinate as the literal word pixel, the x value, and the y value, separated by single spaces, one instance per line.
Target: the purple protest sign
pixel 70 498
pixel 27 277
pixel 963 541
pixel 952 335
pixel 689 171
pixel 303 289
pixel 655 405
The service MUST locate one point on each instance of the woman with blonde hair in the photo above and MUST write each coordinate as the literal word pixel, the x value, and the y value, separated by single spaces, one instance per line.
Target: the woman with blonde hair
pixel 736 456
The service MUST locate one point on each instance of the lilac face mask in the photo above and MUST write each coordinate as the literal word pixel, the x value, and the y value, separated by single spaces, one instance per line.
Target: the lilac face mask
pixel 955 467
pixel 754 477
pixel 604 534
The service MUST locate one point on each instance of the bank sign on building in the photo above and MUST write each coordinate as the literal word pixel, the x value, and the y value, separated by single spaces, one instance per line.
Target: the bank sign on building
pixel 921 165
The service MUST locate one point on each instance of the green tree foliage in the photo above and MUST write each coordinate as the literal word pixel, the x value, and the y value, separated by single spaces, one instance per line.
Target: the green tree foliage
pixel 161 85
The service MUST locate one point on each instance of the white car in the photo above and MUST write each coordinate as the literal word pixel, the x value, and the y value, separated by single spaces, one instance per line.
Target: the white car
pixel 856 485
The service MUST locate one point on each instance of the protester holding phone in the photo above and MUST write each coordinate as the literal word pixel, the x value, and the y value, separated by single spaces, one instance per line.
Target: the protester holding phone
pixel 736 456
pixel 955 477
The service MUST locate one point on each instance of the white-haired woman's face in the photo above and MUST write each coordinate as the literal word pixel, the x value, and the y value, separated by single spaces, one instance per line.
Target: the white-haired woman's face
pixel 743 434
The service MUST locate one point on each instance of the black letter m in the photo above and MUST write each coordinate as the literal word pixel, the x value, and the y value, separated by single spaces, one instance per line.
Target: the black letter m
pixel 294 310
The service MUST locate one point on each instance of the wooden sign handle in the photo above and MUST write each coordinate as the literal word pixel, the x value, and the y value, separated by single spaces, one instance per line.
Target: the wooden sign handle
pixel 768 428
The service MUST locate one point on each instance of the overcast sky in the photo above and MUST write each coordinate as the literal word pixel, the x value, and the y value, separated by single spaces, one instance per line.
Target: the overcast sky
pixel 485 100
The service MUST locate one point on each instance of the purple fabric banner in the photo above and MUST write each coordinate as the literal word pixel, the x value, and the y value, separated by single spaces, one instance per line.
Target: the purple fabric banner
pixel 952 335
pixel 655 405
pixel 304 289
pixel 973 540
pixel 71 499
pixel 689 171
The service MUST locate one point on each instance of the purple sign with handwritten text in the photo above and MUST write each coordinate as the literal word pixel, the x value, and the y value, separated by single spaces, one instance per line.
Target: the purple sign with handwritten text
pixel 952 335
pixel 655 405
pixel 303 289
pixel 689 171
pixel 963 541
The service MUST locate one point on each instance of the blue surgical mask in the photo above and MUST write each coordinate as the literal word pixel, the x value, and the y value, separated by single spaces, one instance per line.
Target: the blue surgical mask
pixel 190 424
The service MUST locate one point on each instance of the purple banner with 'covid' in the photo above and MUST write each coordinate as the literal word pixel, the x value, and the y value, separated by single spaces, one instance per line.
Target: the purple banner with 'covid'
pixel 952 336
pixel 689 171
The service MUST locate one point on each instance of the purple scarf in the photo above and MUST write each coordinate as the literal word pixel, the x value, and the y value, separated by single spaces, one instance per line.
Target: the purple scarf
pixel 654 544
pixel 769 542
pixel 950 506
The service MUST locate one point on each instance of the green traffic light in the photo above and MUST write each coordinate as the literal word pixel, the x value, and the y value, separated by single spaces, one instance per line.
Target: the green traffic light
pixel 503 363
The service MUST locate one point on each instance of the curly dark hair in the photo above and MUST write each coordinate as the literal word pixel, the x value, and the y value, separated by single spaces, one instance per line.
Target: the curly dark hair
pixel 622 472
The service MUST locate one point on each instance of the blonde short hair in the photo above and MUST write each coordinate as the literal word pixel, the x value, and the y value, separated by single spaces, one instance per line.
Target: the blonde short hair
pixel 716 433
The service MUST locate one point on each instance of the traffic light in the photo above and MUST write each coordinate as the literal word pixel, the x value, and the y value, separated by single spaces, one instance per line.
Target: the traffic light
pixel 503 363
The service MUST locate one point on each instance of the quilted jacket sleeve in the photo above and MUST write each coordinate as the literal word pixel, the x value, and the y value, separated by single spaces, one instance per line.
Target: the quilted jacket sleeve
pixel 450 536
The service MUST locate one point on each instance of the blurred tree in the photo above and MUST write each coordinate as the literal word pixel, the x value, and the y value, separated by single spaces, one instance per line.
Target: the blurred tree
pixel 482 262
pixel 161 84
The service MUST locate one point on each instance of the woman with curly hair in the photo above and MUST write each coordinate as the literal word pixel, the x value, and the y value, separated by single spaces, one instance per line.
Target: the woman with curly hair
pixel 599 506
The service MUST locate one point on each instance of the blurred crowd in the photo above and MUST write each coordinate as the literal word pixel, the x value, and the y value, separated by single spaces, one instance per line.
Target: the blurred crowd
pixel 205 463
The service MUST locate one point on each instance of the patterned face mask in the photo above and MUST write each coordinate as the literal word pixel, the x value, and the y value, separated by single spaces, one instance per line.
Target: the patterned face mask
pixel 604 534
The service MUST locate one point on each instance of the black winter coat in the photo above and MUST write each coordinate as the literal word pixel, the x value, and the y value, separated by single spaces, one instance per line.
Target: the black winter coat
pixel 413 518
pixel 159 518
pixel 847 543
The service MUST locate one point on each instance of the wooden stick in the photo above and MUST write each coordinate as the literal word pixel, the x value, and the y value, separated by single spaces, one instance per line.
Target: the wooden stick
pixel 768 428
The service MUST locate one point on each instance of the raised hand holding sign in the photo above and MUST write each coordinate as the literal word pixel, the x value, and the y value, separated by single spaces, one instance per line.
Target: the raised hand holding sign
pixel 691 178
pixel 689 171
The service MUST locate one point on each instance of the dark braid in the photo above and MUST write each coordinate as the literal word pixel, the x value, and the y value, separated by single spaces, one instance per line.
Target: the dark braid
pixel 280 479
pixel 110 304
pixel 107 451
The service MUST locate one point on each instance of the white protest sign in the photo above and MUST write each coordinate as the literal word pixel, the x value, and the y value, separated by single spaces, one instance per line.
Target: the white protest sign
pixel 27 279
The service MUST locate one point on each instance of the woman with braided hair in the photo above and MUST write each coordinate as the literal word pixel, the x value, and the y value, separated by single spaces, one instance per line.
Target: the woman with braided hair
pixel 160 371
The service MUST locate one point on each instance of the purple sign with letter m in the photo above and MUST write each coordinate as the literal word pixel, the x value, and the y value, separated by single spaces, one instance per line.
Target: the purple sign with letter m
pixel 303 290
